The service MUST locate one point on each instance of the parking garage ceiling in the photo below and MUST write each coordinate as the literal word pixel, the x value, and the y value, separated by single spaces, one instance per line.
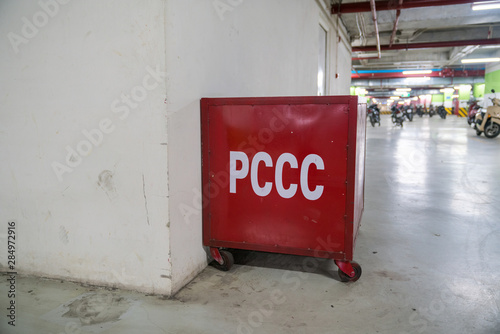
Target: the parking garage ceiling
pixel 418 35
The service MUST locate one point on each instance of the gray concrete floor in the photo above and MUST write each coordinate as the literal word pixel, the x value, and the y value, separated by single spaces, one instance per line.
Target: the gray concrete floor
pixel 429 247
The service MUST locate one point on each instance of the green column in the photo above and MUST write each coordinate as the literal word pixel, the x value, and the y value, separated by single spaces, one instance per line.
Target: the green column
pixel 492 81
pixel 478 90
pixel 464 93
pixel 437 98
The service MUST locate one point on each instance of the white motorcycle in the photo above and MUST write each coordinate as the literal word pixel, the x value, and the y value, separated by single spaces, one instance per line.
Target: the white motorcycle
pixel 489 121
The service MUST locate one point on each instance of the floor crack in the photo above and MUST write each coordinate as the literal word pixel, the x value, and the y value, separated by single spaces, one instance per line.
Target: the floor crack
pixel 145 199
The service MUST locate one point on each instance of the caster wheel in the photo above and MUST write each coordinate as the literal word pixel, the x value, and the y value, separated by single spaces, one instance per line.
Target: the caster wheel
pixel 228 261
pixel 357 273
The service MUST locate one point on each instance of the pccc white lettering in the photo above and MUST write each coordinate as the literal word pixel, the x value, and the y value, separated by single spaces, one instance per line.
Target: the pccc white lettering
pixel 285 158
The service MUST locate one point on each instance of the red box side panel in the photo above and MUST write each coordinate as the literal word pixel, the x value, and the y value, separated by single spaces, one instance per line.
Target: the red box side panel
pixel 296 127
pixel 359 189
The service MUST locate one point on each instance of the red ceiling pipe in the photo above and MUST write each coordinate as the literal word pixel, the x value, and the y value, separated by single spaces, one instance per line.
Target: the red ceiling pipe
pixel 396 21
pixel 374 17
pixel 392 75
pixel 439 74
pixel 394 29
pixel 444 44
pixel 359 7
pixel 355 71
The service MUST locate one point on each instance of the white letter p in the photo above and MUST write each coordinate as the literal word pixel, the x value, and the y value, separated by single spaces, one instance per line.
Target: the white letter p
pixel 237 173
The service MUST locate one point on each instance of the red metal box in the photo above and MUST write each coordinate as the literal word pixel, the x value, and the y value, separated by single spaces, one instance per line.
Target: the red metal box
pixel 284 175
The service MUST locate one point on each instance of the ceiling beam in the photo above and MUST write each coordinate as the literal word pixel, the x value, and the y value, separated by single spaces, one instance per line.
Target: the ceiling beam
pixel 359 7
pixel 427 45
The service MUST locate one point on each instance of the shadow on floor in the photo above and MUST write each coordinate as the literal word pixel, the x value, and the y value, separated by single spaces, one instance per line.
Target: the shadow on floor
pixel 324 267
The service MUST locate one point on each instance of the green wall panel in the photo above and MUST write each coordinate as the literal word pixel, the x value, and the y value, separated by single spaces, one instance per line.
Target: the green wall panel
pixel 479 90
pixel 464 93
pixel 437 98
pixel 492 81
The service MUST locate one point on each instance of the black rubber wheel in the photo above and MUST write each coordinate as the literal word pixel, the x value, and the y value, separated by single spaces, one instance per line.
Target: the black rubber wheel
pixel 478 133
pixel 357 273
pixel 373 122
pixel 491 130
pixel 228 261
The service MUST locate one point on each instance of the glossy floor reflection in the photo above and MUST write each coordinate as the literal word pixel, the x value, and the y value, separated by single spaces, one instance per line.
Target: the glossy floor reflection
pixel 429 247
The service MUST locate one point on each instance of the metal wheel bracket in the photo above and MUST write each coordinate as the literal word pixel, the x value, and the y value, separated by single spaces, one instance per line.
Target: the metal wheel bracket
pixel 346 267
pixel 216 255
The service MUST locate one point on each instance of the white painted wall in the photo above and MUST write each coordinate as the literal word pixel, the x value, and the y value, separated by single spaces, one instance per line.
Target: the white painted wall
pixel 106 222
pixel 231 48
pixel 340 62
pixel 134 198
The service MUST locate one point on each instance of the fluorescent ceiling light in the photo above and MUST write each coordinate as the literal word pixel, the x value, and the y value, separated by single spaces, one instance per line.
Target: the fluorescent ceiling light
pixel 480 60
pixel 447 90
pixel 394 97
pixel 417 72
pixel 403 89
pixel 454 96
pixel 418 79
pixel 469 87
pixel 485 5
pixel 360 91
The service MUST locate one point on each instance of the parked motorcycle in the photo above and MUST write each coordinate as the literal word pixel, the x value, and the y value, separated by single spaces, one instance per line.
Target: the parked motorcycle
pixel 473 110
pixel 420 111
pixel 432 111
pixel 489 121
pixel 442 112
pixel 408 113
pixel 397 116
pixel 374 114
